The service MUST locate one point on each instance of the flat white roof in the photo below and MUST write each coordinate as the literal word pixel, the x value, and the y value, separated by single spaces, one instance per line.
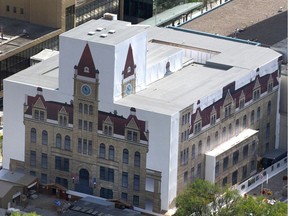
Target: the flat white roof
pixel 44 54
pixel 245 134
pixel 180 89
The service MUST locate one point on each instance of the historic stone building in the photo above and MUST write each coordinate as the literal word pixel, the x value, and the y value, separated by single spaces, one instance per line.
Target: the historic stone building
pixel 87 150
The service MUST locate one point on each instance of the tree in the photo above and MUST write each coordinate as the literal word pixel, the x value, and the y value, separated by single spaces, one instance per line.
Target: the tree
pixel 206 199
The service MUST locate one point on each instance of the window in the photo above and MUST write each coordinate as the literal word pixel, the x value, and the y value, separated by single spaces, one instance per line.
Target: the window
pixel 61 163
pixel 267 147
pixel 42 115
pixel 136 200
pixel 216 138
pixel 85 125
pixel 224 137
pixel 32 173
pixel 225 163
pixel 270 86
pixel 7 8
pixel 217 169
pixel 185 177
pixel 102 150
pixel 111 152
pixel 80 107
pixel 269 108
pixel 137 159
pixel 267 131
pixel 227 110
pixel 197 127
pixel 44 178
pixel 258 113
pixel 192 174
pixel 242 103
pixel 57 162
pixel 33 158
pixel 136 183
pixel 235 157
pixel 66 165
pixel 256 94
pixel 125 156
pixel 252 117
pixel 90 147
pixel 208 143
pixel 90 110
pixel 253 147
pixel 230 130
pixel 58 140
pixel 237 126
pixel 224 181
pixel 252 166
pixel 44 137
pixel 106 174
pixel 132 136
pixel 79 147
pixel 234 177
pixel 193 152
pixel 244 121
pixel 124 196
pixel 84 150
pixel 14 9
pixel 213 119
pixel 85 108
pixel 21 11
pixel 79 124
pixel 36 114
pixel 33 135
pixel 86 69
pixel 90 126
pixel 245 151
pixel 200 147
pixel 199 170
pixel 124 179
pixel 244 172
pixel 67 143
pixel 44 161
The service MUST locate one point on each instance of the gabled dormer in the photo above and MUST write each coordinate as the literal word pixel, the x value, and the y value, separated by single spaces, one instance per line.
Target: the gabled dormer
pixel 197 127
pixel 213 116
pixel 256 89
pixel 63 117
pixel 270 84
pixel 108 126
pixel 228 105
pixel 242 100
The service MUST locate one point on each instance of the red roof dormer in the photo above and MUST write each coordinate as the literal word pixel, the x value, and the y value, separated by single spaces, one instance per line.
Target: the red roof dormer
pixel 129 68
pixel 86 65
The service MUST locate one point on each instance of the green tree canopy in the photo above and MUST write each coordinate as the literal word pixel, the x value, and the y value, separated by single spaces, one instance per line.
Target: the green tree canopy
pixel 202 198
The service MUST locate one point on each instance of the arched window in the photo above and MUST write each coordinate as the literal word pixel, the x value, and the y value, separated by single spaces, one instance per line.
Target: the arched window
pixel 244 121
pixel 216 138
pixel 200 147
pixel 125 156
pixel 80 107
pixel 230 130
pixel 67 144
pixel 258 113
pixel 208 143
pixel 137 158
pixel 252 117
pixel 102 151
pixel 86 69
pixel 33 135
pixel 90 110
pixel 85 108
pixel 224 133
pixel 58 140
pixel 110 130
pixel 44 137
pixel 269 108
pixel 111 152
pixel 193 151
pixel 237 126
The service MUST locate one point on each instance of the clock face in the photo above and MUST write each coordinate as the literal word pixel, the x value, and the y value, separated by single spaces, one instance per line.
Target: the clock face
pixel 128 89
pixel 86 89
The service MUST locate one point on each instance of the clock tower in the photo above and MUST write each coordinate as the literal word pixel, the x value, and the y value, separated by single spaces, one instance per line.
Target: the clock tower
pixel 85 118
pixel 129 75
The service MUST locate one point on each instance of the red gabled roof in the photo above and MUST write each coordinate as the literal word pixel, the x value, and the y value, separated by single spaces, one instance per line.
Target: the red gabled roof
pixel 86 60
pixel 52 108
pixel 119 123
pixel 129 63
pixel 248 92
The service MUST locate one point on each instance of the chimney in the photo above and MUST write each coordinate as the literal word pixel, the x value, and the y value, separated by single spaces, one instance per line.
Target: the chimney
pixel 133 111
pixel 39 91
